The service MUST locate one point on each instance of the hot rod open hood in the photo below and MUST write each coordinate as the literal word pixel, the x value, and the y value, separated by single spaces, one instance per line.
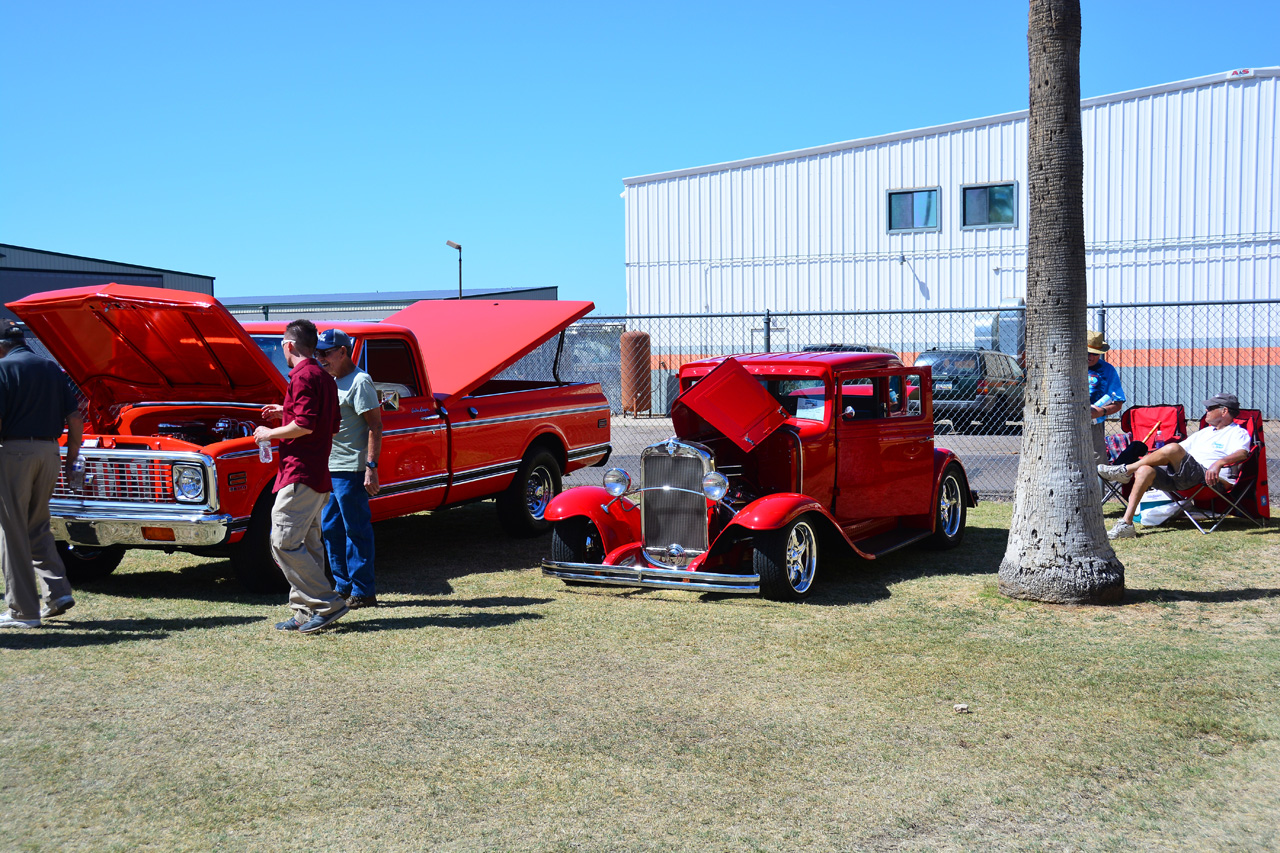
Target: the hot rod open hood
pixel 733 401
pixel 466 342
pixel 127 344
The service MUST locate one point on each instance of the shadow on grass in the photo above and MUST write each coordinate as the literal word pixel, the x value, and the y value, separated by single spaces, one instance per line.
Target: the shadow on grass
pixel 1218 596
pixel 100 632
pixel 465 620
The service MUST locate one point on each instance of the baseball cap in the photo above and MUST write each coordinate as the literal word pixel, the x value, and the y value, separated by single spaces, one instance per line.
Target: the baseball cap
pixel 331 338
pixel 10 332
pixel 1228 400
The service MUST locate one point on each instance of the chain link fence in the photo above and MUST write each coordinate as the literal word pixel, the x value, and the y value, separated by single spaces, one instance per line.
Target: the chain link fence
pixel 1164 352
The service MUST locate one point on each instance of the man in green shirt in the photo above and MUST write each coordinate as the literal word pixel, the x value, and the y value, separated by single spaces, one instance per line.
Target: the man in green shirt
pixel 353 465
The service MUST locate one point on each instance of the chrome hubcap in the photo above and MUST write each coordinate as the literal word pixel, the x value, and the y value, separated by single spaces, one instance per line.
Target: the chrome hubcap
pixel 801 557
pixel 949 506
pixel 538 492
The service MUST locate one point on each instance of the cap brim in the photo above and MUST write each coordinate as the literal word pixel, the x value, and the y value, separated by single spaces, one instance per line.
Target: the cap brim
pixel 1097 351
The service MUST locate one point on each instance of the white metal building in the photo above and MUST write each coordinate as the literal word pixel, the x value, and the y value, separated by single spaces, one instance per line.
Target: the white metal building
pixel 1182 202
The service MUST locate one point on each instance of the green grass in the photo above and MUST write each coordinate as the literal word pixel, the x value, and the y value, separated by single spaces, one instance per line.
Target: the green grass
pixel 486 707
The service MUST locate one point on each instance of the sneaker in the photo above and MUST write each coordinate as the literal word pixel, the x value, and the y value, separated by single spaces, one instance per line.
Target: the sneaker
pixel 318 622
pixel 1115 473
pixel 57 607
pixel 290 624
pixel 355 602
pixel 1122 530
pixel 8 620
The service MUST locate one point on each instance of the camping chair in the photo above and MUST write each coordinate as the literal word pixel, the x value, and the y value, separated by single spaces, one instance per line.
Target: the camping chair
pixel 1248 497
pixel 1155 426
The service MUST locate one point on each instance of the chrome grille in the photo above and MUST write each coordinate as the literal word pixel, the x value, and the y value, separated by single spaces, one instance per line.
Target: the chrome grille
pixel 139 478
pixel 673 517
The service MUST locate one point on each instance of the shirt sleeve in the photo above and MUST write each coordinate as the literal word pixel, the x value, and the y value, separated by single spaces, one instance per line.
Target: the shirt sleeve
pixel 1114 387
pixel 365 396
pixel 306 403
pixel 1238 440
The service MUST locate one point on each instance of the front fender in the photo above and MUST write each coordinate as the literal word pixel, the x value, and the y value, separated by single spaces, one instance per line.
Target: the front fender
pixel 773 512
pixel 618 525
pixel 942 457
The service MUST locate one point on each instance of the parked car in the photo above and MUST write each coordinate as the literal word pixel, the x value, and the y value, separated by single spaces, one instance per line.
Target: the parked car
pixel 976 390
pixel 175 387
pixel 846 348
pixel 776 459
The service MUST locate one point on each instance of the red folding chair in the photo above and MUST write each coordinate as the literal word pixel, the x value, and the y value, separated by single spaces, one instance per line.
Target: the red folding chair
pixel 1248 497
pixel 1154 427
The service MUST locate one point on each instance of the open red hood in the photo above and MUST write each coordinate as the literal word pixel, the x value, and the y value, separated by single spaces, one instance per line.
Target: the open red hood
pixel 126 344
pixel 467 342
pixel 733 401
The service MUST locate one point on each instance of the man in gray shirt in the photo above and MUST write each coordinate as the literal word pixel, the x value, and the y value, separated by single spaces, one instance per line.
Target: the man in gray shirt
pixel 353 466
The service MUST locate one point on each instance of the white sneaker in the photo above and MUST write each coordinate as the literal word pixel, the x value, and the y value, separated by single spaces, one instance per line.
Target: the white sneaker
pixel 57 607
pixel 8 620
pixel 1122 530
pixel 1115 473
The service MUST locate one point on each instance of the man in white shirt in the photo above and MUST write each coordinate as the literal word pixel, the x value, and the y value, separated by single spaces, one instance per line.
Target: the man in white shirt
pixel 1200 458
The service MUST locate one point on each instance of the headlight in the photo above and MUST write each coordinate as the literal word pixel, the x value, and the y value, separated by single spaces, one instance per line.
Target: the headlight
pixel 188 482
pixel 616 481
pixel 715 485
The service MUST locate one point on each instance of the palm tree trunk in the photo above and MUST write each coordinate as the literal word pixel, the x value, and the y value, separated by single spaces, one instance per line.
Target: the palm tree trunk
pixel 1058 549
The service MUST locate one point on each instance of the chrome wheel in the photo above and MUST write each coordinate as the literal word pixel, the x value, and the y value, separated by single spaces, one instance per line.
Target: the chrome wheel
pixel 801 557
pixel 538 491
pixel 949 515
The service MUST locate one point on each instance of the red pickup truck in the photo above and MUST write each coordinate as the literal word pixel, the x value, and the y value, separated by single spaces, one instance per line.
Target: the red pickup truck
pixel 174 388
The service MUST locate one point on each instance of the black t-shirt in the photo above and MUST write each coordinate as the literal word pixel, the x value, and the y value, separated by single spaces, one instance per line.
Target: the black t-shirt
pixel 35 396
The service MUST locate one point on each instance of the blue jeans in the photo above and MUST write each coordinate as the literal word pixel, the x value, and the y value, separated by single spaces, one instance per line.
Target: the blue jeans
pixel 348 534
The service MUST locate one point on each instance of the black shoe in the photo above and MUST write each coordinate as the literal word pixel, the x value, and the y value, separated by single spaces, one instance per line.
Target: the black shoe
pixel 355 602
pixel 291 624
pixel 318 622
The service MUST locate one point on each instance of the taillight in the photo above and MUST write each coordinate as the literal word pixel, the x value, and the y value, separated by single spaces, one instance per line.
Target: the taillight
pixel 982 386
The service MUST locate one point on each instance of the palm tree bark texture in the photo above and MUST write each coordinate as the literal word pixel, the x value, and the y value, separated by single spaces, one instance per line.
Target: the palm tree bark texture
pixel 1058 549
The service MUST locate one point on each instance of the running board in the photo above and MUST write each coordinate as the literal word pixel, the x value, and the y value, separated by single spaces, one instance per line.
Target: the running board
pixel 885 543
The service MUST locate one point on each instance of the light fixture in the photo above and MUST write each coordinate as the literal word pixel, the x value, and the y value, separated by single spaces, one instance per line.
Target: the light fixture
pixel 458 246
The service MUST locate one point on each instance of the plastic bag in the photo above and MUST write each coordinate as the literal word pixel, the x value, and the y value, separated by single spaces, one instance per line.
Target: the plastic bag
pixel 1157 507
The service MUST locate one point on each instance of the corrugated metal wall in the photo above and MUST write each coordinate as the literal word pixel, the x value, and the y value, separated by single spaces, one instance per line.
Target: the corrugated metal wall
pixel 1182 195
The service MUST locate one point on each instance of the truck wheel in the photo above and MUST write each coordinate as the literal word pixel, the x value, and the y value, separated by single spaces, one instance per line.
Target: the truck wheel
pixel 521 508
pixel 576 540
pixel 787 561
pixel 951 510
pixel 251 558
pixel 85 563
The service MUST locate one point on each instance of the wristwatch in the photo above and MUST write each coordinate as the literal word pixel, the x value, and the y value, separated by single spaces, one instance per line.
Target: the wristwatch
pixel 373 465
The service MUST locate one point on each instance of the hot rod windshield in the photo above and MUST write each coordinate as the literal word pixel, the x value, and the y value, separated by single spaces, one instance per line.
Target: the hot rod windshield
pixel 270 346
pixel 804 398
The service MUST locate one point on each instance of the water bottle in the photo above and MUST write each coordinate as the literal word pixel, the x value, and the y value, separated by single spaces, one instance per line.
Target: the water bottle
pixel 264 450
pixel 77 475
pixel 1159 438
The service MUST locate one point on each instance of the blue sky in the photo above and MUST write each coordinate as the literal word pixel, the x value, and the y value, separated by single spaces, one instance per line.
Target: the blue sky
pixel 326 148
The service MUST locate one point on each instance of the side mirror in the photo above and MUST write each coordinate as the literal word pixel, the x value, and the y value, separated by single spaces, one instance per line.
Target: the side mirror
pixel 390 400
pixel 849 414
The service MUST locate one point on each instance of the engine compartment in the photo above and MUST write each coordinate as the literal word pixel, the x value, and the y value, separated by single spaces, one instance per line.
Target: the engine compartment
pixel 164 426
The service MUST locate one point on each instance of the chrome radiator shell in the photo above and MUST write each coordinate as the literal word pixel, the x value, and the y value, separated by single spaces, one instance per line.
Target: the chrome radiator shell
pixel 673 508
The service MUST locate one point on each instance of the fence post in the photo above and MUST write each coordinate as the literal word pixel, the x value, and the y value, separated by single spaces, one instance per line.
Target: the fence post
pixel 1102 319
pixel 768 344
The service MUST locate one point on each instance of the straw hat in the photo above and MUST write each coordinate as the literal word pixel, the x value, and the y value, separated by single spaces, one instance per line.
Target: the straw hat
pixel 1097 345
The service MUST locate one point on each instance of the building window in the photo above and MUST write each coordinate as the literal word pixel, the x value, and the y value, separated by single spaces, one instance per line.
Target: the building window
pixel 913 210
pixel 995 205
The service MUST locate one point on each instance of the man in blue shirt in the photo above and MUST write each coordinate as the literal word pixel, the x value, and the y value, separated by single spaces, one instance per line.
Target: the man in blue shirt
pixel 1106 397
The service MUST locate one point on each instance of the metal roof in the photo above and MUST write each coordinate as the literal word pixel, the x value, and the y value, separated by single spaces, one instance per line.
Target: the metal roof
pixel 1195 82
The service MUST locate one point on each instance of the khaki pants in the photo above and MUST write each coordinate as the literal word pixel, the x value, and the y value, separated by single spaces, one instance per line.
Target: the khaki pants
pixel 297 545
pixel 28 475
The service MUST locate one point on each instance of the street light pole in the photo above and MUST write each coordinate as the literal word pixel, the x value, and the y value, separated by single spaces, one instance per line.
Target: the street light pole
pixel 458 246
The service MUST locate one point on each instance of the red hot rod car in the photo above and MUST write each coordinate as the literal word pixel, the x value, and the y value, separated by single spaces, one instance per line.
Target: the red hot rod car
pixel 772 456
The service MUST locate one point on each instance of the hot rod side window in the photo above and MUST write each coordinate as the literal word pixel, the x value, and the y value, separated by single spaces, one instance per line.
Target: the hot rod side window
pixel 390 363
pixel 904 395
pixel 860 398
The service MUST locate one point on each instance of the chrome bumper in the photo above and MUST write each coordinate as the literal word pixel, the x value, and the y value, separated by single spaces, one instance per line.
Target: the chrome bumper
pixel 651 577
pixel 89 526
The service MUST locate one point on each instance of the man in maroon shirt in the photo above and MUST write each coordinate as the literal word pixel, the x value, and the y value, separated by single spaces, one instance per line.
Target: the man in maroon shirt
pixel 309 418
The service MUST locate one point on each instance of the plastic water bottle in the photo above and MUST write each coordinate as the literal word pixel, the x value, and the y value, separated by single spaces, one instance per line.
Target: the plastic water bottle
pixel 1159 438
pixel 264 451
pixel 77 475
